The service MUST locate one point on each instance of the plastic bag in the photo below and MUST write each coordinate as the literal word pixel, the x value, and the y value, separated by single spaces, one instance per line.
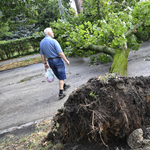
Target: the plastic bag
pixel 49 75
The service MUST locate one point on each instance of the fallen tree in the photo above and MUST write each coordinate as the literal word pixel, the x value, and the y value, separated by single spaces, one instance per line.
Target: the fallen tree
pixel 103 109
pixel 104 26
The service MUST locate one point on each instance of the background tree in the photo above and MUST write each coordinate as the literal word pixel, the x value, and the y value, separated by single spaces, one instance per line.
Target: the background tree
pixel 11 9
pixel 20 30
pixel 48 11
pixel 4 28
pixel 103 28
pixel 16 15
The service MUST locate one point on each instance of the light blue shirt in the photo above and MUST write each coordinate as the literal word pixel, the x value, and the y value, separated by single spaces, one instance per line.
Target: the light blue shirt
pixel 50 47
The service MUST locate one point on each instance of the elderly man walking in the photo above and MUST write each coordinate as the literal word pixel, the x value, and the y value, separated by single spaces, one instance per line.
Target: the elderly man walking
pixel 51 49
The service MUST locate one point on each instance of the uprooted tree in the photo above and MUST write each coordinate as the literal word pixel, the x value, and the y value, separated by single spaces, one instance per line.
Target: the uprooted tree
pixel 104 26
pixel 103 110
pixel 109 107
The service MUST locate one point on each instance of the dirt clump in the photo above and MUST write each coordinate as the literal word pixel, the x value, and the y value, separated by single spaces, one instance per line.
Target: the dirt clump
pixel 104 110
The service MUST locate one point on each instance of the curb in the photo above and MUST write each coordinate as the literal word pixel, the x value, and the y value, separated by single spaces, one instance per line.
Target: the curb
pixel 20 129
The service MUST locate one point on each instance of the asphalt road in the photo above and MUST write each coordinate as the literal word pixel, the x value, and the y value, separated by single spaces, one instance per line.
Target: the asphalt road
pixel 26 96
pixel 139 61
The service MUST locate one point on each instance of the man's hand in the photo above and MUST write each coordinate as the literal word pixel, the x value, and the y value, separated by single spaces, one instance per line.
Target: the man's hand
pixel 62 55
pixel 46 66
pixel 44 61
pixel 68 63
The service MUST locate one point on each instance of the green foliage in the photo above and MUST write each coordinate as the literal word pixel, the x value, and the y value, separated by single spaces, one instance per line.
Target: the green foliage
pixel 65 3
pixel 121 5
pixel 21 30
pixel 92 94
pixel 104 58
pixel 68 51
pixel 141 13
pixel 106 26
pixel 4 28
pixel 21 46
pixel 35 40
pixel 132 42
pixel 96 9
pixel 14 15
pixel 12 8
pixel 143 33
pixel 10 47
pixel 47 11
pixel 72 12
pixel 93 60
pixel 101 58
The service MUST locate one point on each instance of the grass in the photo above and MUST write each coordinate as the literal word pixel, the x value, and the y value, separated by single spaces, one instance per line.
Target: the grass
pixel 22 63
pixel 35 141
pixel 32 142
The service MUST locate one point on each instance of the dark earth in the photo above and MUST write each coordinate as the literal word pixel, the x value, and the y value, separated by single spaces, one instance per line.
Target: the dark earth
pixel 91 115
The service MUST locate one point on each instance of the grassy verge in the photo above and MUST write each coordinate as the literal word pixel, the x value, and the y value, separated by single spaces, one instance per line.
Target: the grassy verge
pixel 32 142
pixel 22 63
pixel 35 141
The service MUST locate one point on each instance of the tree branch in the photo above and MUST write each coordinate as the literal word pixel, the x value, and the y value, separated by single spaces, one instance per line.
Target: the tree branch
pixel 104 49
pixel 135 27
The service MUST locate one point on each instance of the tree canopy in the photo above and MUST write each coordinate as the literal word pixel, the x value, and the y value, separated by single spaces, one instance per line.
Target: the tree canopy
pixel 15 12
pixel 24 17
pixel 106 27
pixel 47 12
pixel 13 8
pixel 4 28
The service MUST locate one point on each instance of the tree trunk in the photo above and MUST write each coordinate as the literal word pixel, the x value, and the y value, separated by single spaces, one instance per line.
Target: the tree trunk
pixel 120 61
pixel 120 57
pixel 61 10
pixel 78 6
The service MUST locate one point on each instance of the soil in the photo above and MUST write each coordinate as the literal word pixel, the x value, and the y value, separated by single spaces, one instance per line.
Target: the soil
pixel 91 115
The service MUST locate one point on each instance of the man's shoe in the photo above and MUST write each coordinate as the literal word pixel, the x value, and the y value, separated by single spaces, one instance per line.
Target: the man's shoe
pixel 61 96
pixel 66 87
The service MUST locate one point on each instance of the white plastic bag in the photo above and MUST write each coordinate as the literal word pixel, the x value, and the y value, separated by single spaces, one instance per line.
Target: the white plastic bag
pixel 49 75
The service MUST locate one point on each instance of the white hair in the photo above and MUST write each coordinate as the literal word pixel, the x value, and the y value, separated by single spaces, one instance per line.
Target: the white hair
pixel 48 30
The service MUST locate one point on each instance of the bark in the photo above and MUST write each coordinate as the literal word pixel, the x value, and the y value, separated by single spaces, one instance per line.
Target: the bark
pixel 120 61
pixel 119 64
pixel 135 27
pixel 104 49
pixel 78 6
pixel 61 10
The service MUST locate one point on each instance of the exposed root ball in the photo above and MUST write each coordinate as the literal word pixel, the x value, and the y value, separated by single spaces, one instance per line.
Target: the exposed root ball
pixel 103 108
